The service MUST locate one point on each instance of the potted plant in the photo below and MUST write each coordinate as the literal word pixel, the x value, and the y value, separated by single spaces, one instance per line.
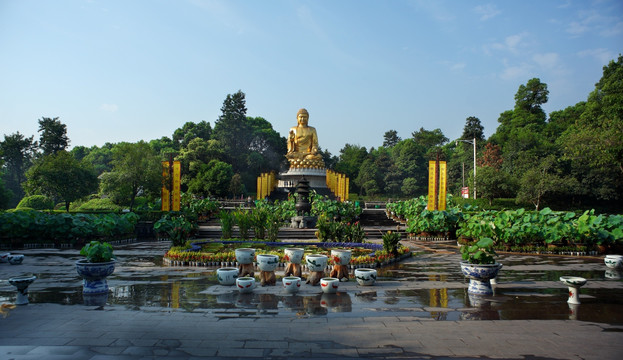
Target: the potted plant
pixel 479 266
pixel 98 264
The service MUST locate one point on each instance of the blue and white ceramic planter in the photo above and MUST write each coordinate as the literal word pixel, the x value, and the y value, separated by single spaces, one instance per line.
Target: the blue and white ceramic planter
pixel 614 261
pixel 340 256
pixel 479 276
pixel 291 284
pixel 294 255
pixel 245 255
pixel 316 262
pixel 267 262
pixel 94 275
pixel 365 277
pixel 245 284
pixel 329 285
pixel 227 276
pixel 16 259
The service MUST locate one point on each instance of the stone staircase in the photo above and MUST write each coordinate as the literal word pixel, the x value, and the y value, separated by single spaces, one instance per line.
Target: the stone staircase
pixel 374 221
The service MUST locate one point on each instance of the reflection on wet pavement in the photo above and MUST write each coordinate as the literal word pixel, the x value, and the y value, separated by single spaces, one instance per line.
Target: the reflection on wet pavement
pixel 428 286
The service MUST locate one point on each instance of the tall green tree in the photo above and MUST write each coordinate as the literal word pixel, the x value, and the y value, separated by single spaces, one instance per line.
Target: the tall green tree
pixel 594 142
pixel 329 159
pixel 521 130
pixel 190 131
pixel 232 130
pixel 136 169
pixel 494 183
pixel 164 146
pixel 531 96
pixel 429 139
pixel 60 176
pixel 101 157
pixel 17 152
pixel 349 161
pixel 541 180
pixel 213 179
pixel 198 152
pixel 6 195
pixel 53 136
pixel 391 138
pixel 267 143
pixel 473 129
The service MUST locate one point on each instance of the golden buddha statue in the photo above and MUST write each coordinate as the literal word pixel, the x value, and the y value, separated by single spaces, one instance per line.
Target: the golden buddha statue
pixel 303 144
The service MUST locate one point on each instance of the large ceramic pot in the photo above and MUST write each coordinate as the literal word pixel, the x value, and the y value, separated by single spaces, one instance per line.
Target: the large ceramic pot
pixel 329 285
pixel 94 275
pixel 267 262
pixel 340 256
pixel 294 255
pixel 15 259
pixel 365 277
pixel 479 276
pixel 227 276
pixel 614 261
pixel 291 284
pixel 245 255
pixel 316 262
pixel 245 284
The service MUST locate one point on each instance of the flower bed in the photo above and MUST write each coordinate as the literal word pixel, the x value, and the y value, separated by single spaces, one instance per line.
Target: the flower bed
pixel 211 253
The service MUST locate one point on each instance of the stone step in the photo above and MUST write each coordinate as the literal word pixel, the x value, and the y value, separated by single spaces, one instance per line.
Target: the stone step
pixel 212 232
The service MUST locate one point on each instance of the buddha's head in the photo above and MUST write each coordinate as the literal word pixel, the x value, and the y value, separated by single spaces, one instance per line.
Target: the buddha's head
pixel 303 117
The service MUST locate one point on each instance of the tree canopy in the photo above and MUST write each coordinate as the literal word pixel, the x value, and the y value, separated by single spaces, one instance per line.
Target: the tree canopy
pixel 61 177
pixel 53 135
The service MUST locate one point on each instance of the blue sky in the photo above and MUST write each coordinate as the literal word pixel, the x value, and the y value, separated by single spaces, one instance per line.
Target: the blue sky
pixel 137 70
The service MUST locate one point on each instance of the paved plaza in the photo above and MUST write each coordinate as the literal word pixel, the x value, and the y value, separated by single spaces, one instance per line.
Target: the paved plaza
pixel 416 311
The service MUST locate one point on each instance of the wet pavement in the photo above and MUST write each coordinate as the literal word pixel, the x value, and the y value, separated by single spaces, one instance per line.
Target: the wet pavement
pixel 420 291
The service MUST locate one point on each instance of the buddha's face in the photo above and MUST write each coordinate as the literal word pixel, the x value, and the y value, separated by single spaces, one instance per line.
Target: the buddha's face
pixel 303 118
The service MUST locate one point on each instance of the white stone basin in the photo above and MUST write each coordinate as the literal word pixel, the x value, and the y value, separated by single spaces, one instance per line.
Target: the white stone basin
pixel 22 283
pixel 573 281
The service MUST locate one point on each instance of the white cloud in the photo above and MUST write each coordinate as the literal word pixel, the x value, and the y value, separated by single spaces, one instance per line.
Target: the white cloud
pixel 592 21
pixel 548 61
pixel 487 12
pixel 109 107
pixel 576 28
pixel 458 66
pixel 520 71
pixel 512 43
pixel 602 55
pixel 615 30
pixel 435 9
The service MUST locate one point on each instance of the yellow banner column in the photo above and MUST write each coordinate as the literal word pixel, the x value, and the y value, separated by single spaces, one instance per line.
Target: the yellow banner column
pixel 165 192
pixel 346 189
pixel 442 185
pixel 264 185
pixel 177 179
pixel 432 179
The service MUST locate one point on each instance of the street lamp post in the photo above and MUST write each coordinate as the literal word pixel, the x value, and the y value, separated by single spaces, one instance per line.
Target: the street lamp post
pixel 473 142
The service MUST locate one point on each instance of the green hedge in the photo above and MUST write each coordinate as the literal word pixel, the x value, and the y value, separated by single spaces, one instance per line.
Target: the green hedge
pixel 36 202
pixel 33 226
